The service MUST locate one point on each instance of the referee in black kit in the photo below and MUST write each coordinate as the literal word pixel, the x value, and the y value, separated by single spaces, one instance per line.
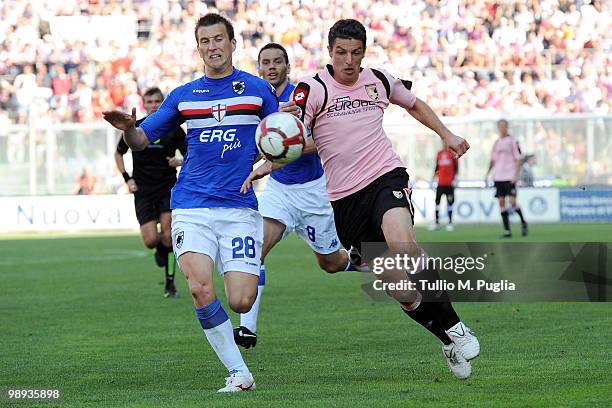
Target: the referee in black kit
pixel 153 177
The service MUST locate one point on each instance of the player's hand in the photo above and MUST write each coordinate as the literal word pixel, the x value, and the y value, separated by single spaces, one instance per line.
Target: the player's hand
pixel 174 161
pixel 256 174
pixel 120 120
pixel 132 186
pixel 289 107
pixel 457 145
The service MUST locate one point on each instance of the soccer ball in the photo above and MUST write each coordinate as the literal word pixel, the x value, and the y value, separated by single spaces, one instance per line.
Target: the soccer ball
pixel 280 137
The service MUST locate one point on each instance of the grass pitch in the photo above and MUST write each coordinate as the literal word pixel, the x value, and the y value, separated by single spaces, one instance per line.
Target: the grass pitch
pixel 84 314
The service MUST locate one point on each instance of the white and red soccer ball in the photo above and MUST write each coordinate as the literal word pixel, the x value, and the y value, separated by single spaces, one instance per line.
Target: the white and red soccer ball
pixel 281 137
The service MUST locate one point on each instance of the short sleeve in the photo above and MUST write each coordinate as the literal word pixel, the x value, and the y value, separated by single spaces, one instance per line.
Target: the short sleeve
pixel 165 119
pixel 399 90
pixel 306 102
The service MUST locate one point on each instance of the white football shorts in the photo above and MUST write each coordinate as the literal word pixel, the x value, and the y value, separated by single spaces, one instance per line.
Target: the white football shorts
pixel 232 237
pixel 305 209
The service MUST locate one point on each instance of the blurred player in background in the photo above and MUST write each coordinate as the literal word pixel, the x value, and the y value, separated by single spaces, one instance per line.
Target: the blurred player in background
pixel 212 222
pixel 153 176
pixel 506 165
pixel 294 200
pixel 343 106
pixel 447 168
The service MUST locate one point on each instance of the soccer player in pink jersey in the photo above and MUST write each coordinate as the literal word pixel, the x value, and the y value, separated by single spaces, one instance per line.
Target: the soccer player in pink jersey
pixel 506 165
pixel 367 183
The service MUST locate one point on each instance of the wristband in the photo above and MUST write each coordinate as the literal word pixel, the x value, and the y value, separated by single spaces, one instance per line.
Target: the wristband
pixel 126 176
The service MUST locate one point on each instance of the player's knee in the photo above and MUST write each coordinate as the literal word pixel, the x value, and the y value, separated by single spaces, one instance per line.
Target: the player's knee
pixel 202 294
pixel 241 303
pixel 330 266
pixel 150 242
pixel 167 239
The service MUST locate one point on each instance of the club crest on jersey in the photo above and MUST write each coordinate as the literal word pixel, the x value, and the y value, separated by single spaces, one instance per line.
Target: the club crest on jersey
pixel 238 87
pixel 372 92
pixel 180 237
pixel 398 194
pixel 218 111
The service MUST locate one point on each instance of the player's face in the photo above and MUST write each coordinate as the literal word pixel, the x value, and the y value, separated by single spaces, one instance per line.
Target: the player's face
pixel 346 55
pixel 215 49
pixel 273 68
pixel 152 103
pixel 502 127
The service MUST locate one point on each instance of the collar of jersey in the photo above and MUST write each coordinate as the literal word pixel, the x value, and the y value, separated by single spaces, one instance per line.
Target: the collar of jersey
pixel 219 80
pixel 330 70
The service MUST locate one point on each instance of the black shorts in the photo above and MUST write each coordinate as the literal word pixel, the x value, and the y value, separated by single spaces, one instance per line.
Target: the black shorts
pixel 505 188
pixel 359 216
pixel 150 205
pixel 448 191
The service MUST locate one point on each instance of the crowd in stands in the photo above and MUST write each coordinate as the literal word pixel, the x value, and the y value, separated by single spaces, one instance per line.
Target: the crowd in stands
pixel 465 57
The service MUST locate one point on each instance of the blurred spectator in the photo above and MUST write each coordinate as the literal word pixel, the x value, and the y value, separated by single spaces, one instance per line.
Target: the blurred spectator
pixel 86 183
pixel 526 175
pixel 470 57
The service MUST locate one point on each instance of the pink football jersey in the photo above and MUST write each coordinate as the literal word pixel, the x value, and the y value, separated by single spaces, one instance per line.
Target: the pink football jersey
pixel 504 155
pixel 346 125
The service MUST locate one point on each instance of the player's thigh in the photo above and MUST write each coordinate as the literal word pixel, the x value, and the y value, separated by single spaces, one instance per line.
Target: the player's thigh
pixel 438 195
pixel 193 230
pixel 146 207
pixel 450 196
pixel 198 270
pixel 240 238
pixel 149 234
pixel 273 204
pixel 512 200
pixel 273 231
pixel 318 230
pixel 165 226
pixel 397 227
pixel 240 289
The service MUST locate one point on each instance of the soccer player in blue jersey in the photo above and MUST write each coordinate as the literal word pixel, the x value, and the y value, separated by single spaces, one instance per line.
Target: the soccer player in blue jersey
pixel 211 219
pixel 294 200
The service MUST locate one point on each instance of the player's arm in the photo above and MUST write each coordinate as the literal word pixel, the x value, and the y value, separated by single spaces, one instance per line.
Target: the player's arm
pixel 121 149
pixel 435 173
pixel 518 158
pixel 424 114
pixel 134 136
pixel 260 172
pixel 400 94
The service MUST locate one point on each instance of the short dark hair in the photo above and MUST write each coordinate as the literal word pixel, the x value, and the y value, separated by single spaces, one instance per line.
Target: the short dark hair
pixel 153 91
pixel 276 47
pixel 212 19
pixel 347 29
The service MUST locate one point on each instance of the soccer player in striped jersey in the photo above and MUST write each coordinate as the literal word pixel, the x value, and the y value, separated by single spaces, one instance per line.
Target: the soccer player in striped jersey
pixel 447 167
pixel 212 221
pixel 294 200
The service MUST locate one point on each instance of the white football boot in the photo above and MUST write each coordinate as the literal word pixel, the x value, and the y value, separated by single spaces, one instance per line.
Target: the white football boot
pixel 433 227
pixel 465 340
pixel 238 382
pixel 458 365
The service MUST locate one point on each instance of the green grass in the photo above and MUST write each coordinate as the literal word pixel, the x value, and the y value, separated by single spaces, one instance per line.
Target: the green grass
pixel 84 314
